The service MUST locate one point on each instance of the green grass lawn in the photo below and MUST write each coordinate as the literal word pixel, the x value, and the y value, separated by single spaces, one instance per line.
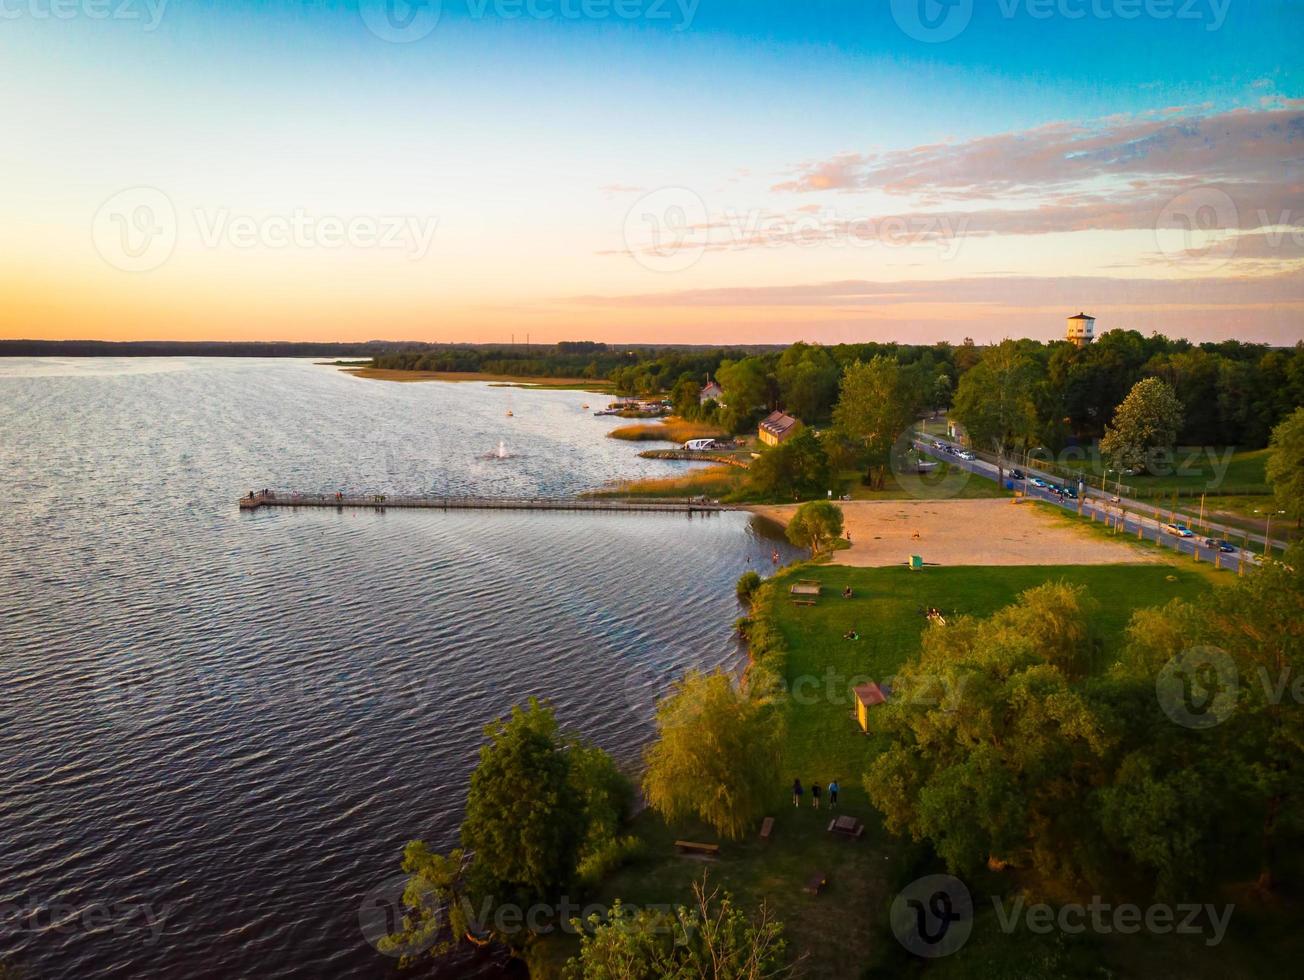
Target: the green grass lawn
pixel 1194 471
pixel 843 931
pixel 936 485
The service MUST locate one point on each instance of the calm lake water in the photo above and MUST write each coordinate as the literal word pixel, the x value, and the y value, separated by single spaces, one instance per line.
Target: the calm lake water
pixel 219 729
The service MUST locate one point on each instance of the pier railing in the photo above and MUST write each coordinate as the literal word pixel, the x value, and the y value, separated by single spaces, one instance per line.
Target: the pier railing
pixel 382 501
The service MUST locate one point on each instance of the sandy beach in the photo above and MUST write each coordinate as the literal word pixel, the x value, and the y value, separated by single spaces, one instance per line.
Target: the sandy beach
pixel 962 532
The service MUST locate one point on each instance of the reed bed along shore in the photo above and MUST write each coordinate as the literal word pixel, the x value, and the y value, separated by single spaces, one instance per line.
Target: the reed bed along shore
pixel 673 429
pixel 713 481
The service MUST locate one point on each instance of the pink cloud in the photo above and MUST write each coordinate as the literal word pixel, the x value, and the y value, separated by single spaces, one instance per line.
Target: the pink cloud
pixel 1239 145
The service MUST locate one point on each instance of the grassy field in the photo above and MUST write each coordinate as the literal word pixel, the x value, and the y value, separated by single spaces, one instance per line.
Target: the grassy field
pixel 843 931
pixel 935 486
pixel 1195 470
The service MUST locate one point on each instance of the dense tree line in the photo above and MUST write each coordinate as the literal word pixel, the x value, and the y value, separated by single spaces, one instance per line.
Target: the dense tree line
pixel 1050 394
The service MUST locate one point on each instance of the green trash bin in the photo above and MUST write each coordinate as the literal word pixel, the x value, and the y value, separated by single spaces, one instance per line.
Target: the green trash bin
pixel 916 563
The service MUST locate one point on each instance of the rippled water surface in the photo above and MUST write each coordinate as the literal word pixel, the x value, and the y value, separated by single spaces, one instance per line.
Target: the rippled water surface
pixel 219 729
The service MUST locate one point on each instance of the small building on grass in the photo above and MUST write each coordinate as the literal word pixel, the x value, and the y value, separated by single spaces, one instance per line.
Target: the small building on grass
pixel 777 427
pixel 868 696
pixel 710 392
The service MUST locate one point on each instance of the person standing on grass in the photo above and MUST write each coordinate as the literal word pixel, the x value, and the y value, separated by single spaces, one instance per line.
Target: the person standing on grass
pixel 833 794
pixel 815 795
pixel 796 792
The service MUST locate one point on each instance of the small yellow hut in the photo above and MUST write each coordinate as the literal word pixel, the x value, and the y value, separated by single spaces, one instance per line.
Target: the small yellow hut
pixel 867 696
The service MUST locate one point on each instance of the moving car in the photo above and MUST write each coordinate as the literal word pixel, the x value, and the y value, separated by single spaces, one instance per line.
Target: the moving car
pixel 1039 482
pixel 965 454
pixel 1016 474
pixel 1181 530
pixel 1226 547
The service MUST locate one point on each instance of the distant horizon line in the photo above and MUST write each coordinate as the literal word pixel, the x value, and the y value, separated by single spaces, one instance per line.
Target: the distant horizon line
pixel 31 347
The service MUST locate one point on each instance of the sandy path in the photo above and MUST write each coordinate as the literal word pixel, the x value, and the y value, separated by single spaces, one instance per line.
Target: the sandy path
pixel 963 532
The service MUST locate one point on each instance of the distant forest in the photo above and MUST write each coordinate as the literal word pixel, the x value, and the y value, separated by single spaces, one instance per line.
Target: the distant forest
pixel 1233 393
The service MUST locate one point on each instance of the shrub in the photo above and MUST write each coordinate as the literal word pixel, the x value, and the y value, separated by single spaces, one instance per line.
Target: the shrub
pixel 748 583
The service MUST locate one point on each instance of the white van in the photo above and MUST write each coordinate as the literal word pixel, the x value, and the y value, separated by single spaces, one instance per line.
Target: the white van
pixel 699 445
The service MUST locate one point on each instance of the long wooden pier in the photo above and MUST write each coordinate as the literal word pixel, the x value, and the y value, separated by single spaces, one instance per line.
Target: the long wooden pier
pixel 384 501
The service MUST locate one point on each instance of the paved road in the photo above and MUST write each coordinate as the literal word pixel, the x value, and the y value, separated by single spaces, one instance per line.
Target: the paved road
pixel 1135 514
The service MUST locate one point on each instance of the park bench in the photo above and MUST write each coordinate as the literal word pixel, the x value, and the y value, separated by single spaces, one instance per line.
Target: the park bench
pixel 689 847
pixel 803 602
pixel 767 828
pixel 806 586
pixel 815 884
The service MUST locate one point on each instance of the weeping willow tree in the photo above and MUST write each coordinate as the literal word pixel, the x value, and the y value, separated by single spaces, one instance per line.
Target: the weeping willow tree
pixel 717 756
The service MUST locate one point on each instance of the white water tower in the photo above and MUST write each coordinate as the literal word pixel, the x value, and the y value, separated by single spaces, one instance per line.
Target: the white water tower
pixel 1080 330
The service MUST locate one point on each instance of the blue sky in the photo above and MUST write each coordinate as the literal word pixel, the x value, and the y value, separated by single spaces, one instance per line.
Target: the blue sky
pixel 533 140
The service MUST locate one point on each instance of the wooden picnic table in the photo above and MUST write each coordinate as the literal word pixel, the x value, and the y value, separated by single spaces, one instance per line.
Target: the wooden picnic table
pixel 847 826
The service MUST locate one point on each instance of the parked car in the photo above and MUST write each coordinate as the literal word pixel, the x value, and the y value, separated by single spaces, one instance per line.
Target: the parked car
pixel 1069 492
pixel 965 454
pixel 1181 530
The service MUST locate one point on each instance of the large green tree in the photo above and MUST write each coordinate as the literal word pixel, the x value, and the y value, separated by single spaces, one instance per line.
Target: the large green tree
pixel 1286 465
pixel 745 386
pixel 877 406
pixel 798 467
pixel 808 381
pixel 713 939
pixel 815 524
pixel 542 805
pixel 991 745
pixel 1145 426
pixel 523 813
pixel 996 401
pixel 716 756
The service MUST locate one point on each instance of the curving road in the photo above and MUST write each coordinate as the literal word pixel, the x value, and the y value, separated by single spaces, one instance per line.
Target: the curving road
pixel 1135 515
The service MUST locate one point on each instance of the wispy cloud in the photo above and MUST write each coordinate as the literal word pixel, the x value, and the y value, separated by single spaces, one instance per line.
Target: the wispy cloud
pixel 1175 145
pixel 1050 292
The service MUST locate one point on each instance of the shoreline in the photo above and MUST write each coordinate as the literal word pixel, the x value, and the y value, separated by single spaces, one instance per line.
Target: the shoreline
pixel 457 377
